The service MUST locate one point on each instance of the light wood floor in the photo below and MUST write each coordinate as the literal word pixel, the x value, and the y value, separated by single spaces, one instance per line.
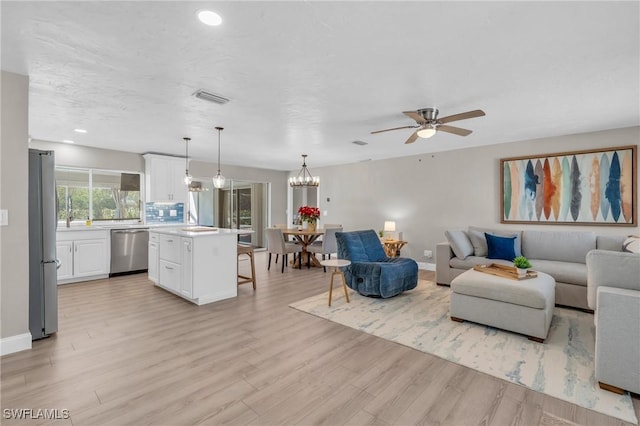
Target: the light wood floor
pixel 128 353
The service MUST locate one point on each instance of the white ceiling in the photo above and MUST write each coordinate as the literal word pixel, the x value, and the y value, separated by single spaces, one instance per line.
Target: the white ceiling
pixel 311 77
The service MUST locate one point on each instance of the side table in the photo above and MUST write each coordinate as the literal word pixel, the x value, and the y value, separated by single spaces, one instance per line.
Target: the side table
pixel 392 247
pixel 336 264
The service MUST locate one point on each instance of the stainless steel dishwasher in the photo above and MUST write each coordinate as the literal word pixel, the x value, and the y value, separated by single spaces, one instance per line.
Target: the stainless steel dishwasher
pixel 129 250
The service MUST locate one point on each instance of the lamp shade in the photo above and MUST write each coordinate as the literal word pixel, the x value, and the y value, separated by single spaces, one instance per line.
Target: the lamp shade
pixel 218 181
pixel 389 226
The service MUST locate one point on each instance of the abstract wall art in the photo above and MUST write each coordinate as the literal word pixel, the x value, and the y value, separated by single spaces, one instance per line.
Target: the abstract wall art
pixel 595 187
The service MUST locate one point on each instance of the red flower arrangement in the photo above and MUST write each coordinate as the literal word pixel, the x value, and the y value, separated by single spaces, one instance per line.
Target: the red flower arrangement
pixel 309 214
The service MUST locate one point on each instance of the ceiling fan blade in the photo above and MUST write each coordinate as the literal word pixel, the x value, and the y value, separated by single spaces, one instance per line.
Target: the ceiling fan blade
pixel 462 116
pixel 395 128
pixel 414 115
pixel 413 137
pixel 455 130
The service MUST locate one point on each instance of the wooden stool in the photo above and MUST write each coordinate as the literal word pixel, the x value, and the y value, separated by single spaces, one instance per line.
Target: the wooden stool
pixel 248 250
pixel 336 264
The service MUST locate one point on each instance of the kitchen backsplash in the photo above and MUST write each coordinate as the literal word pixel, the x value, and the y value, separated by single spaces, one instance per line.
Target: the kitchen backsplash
pixel 164 212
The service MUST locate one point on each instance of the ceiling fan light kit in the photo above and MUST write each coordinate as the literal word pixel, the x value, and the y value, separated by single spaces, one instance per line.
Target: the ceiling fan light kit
pixel 426 131
pixel 428 123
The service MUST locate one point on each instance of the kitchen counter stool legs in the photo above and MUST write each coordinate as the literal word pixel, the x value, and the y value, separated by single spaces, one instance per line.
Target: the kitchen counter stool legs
pixel 248 250
pixel 336 264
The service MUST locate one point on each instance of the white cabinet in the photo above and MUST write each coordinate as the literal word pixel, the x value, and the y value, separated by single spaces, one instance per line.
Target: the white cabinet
pixel 201 269
pixel 186 284
pixel 89 257
pixel 84 255
pixel 170 275
pixel 164 179
pixel 64 253
pixel 153 260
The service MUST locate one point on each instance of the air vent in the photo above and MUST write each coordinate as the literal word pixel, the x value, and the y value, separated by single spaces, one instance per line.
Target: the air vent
pixel 361 143
pixel 211 97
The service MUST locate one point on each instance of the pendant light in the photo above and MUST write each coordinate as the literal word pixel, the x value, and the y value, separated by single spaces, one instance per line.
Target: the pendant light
pixel 187 176
pixel 304 177
pixel 218 180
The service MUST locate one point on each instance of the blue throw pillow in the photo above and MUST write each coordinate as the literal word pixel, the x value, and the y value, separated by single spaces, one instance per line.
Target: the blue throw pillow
pixel 500 247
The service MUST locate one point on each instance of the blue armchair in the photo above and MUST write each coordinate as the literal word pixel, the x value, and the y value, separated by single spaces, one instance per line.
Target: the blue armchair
pixel 371 272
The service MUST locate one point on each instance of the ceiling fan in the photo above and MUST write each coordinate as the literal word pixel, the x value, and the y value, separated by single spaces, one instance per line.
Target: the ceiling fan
pixel 428 123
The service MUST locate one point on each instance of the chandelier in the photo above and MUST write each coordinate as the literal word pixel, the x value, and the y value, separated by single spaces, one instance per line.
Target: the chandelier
pixel 304 178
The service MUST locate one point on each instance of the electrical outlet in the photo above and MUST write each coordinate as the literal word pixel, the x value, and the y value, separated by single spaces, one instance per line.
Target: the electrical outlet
pixel 4 217
pixel 428 254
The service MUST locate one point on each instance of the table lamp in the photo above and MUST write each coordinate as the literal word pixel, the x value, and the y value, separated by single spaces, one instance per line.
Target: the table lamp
pixel 389 227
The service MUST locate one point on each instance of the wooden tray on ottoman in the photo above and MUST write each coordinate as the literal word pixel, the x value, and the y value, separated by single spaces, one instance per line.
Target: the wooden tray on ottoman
pixel 504 271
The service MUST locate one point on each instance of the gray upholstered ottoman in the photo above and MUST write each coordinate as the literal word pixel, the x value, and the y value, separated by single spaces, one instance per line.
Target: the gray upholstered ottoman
pixel 524 306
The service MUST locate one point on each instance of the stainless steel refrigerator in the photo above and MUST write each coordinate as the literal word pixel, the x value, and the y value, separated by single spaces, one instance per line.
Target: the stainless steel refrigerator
pixel 43 290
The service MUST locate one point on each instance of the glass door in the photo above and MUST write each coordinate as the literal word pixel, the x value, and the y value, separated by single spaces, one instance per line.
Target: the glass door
pixel 243 206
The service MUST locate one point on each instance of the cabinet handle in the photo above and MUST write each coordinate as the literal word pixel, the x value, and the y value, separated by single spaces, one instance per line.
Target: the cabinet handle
pixel 75 247
pixel 169 267
pixel 169 241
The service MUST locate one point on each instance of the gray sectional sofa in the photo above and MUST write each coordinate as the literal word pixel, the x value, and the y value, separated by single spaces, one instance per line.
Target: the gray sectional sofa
pixel 561 254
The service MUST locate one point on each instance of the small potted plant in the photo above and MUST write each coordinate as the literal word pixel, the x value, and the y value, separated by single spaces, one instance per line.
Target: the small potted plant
pixel 521 263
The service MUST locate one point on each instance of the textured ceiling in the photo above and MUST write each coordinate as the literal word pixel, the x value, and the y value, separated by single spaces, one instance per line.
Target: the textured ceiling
pixel 311 77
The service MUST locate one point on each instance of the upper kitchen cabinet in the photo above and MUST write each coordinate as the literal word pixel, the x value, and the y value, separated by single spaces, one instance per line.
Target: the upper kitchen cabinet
pixel 164 179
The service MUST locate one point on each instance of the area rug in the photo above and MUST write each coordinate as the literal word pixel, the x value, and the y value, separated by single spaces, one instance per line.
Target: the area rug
pixel 562 367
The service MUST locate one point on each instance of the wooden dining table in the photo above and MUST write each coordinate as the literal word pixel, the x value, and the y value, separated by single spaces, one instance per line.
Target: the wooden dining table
pixel 304 237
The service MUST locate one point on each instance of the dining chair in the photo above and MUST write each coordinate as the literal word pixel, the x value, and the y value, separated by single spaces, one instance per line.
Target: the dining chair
pixel 327 246
pixel 278 246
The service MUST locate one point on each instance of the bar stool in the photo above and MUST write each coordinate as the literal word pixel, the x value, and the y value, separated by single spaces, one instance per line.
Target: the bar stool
pixel 242 279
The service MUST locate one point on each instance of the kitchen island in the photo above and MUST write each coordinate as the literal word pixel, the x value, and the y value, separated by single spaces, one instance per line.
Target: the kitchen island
pixel 196 263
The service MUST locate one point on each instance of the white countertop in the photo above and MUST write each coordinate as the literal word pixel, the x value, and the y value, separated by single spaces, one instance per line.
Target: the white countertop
pixel 109 226
pixel 184 231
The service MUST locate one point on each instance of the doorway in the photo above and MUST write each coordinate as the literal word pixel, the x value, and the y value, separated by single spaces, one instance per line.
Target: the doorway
pixel 239 205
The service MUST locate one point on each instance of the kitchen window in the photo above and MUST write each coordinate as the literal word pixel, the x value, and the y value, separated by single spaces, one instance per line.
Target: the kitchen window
pixel 97 194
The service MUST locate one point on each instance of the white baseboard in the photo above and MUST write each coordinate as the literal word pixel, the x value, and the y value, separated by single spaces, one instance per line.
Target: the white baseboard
pixel 17 343
pixel 427 266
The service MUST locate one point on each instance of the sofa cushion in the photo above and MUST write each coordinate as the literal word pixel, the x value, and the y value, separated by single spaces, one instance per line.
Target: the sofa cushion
pixel 472 261
pixel 631 244
pixel 563 272
pixel 558 245
pixel 500 247
pixel 460 243
pixel 610 242
pixel 479 241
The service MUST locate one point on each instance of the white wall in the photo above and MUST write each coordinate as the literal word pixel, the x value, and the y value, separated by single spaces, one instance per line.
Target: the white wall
pixel 81 156
pixel 428 194
pixel 86 157
pixel 14 190
pixel 278 180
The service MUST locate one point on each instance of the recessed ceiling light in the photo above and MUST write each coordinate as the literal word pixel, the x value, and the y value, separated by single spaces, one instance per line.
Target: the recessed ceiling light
pixel 208 17
pixel 68 141
pixel 80 130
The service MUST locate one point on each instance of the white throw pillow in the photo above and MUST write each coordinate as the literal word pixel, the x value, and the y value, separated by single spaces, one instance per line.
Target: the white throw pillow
pixel 460 243
pixel 631 244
